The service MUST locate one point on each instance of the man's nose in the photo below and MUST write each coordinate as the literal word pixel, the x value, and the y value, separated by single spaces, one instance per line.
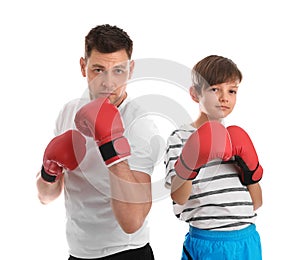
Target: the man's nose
pixel 107 81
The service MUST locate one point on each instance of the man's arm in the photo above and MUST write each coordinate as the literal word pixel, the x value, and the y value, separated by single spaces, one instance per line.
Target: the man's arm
pixel 130 190
pixel 64 151
pixel 48 192
pixel 131 196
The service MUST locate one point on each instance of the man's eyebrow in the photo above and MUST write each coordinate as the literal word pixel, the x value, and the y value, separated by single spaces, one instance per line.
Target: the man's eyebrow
pixel 114 67
pixel 98 66
pixel 121 66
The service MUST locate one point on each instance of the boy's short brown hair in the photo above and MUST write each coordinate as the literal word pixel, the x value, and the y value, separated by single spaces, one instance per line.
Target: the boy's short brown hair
pixel 213 70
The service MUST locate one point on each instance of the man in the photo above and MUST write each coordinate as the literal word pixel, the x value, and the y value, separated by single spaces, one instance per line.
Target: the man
pixel 106 182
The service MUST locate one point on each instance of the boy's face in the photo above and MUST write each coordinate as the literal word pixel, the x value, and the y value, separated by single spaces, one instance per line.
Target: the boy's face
pixel 107 74
pixel 218 101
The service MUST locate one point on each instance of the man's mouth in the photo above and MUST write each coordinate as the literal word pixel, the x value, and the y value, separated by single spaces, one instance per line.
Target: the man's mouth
pixel 106 93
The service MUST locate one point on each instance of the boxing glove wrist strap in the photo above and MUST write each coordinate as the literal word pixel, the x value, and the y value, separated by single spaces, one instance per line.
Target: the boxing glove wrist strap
pixel 107 150
pixel 247 174
pixel 115 149
pixel 244 166
pixel 187 167
pixel 47 177
pixel 184 171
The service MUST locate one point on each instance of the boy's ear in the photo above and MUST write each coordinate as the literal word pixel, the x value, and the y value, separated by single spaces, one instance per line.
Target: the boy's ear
pixel 194 94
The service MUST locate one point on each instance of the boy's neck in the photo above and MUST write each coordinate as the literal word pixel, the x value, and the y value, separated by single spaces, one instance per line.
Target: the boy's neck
pixel 202 118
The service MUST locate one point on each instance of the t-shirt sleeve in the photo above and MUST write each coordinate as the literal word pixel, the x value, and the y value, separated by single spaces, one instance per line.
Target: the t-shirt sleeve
pixel 146 144
pixel 65 119
pixel 58 124
pixel 173 150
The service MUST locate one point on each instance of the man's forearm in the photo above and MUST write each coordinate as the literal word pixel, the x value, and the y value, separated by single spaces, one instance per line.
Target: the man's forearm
pixel 48 192
pixel 131 196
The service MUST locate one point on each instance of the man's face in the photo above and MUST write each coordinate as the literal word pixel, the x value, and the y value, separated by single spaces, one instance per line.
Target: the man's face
pixel 107 74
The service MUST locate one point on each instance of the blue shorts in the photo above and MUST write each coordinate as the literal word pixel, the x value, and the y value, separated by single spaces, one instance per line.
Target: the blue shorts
pixel 243 244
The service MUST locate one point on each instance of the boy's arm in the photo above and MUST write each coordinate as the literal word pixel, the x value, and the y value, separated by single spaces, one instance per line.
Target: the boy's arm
pixel 180 190
pixel 210 141
pixel 256 195
pixel 245 156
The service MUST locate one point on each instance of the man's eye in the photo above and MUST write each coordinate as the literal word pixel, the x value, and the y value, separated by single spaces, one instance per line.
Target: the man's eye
pixel 119 71
pixel 98 70
pixel 232 91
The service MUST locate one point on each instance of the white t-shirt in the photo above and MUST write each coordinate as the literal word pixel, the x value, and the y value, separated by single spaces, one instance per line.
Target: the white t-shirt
pixel 218 200
pixel 92 230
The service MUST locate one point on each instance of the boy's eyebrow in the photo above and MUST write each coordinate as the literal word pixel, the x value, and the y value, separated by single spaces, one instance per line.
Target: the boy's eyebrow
pixel 234 85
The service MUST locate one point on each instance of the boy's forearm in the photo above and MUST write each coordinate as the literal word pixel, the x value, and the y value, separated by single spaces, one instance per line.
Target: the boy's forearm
pixel 180 190
pixel 256 195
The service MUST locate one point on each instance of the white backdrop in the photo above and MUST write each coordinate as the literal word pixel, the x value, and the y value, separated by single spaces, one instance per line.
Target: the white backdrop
pixel 41 43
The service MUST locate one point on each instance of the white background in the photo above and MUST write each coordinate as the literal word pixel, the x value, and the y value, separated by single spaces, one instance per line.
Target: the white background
pixel 41 43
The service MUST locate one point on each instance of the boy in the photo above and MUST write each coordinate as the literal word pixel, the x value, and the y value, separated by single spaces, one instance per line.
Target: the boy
pixel 213 171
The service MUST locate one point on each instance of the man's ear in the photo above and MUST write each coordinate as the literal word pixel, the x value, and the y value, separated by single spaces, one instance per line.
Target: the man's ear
pixel 194 94
pixel 83 66
pixel 131 68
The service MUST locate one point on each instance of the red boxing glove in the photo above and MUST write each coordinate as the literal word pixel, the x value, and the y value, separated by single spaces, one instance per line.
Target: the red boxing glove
pixel 210 141
pixel 245 156
pixel 101 120
pixel 64 151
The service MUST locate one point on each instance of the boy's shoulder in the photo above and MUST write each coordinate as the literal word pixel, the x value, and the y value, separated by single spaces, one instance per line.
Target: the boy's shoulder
pixel 185 129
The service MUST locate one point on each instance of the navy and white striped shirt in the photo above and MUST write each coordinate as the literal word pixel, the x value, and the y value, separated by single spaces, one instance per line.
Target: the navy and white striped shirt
pixel 218 200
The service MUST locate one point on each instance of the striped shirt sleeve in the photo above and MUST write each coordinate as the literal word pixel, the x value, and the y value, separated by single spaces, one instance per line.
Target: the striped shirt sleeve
pixel 174 147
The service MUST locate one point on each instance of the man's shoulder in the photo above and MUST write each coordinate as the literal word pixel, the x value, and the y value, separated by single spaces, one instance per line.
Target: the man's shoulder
pixel 65 119
pixel 75 103
pixel 133 113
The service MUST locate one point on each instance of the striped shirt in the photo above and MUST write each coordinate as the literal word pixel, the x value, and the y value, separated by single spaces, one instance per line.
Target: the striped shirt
pixel 218 200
